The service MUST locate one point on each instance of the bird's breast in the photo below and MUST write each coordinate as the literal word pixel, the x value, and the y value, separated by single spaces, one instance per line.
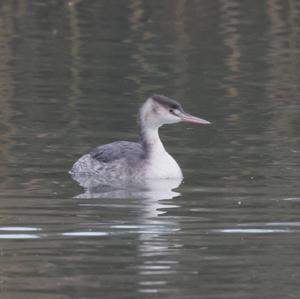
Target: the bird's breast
pixel 162 165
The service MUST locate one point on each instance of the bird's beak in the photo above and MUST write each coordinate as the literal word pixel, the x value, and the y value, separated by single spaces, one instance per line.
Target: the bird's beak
pixel 192 119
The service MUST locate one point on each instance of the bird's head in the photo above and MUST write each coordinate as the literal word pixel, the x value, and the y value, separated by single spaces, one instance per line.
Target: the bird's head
pixel 159 110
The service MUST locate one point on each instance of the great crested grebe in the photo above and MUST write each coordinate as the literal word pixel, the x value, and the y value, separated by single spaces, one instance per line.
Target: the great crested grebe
pixel 146 159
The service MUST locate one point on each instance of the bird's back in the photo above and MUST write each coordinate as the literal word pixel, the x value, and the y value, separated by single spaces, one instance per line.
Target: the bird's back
pixel 111 161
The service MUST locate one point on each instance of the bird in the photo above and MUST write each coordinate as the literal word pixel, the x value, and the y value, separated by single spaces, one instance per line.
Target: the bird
pixel 146 159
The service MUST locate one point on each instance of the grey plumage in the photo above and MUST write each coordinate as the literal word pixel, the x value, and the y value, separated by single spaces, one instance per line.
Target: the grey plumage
pixel 117 159
pixel 131 151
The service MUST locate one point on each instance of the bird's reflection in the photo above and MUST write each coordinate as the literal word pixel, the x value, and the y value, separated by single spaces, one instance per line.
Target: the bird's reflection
pixel 155 189
pixel 153 230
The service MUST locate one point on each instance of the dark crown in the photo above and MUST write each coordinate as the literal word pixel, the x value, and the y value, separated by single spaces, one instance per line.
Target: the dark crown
pixel 165 101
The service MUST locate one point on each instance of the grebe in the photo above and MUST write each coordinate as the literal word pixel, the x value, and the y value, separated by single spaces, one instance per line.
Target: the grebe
pixel 146 159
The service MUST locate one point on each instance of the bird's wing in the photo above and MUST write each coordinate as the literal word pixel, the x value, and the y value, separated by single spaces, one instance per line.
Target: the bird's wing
pixel 116 150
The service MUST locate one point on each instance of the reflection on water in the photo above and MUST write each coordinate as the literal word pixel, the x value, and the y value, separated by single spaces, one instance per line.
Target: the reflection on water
pixel 72 74
pixel 144 188
pixel 149 191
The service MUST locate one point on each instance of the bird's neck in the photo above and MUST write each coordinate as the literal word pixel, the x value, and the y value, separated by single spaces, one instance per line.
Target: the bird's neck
pixel 149 138
pixel 148 127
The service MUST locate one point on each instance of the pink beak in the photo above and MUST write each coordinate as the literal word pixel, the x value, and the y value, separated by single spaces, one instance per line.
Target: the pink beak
pixel 192 119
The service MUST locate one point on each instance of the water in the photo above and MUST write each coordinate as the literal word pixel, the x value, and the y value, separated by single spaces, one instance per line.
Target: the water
pixel 72 75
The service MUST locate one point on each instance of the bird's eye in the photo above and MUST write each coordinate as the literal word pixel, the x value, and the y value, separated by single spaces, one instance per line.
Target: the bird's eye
pixel 171 110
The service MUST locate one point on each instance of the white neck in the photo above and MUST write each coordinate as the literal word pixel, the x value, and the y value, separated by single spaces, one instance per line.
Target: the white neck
pixel 149 126
pixel 158 162
pixel 151 141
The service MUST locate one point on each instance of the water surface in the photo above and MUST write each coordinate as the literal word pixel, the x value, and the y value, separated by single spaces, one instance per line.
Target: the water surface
pixel 72 76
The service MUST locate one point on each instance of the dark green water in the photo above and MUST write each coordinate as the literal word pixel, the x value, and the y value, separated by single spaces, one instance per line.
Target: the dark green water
pixel 72 76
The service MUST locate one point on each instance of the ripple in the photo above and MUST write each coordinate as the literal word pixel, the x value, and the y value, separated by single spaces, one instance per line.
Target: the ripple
pixel 19 228
pixel 85 234
pixel 292 199
pixel 18 236
pixel 252 231
pixel 272 224
pixel 144 229
pixel 152 283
